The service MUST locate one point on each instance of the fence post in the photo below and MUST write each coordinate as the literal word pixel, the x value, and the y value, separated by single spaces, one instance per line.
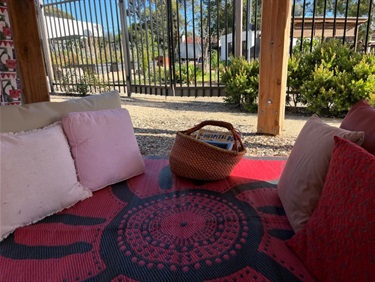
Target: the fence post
pixel 238 32
pixel 171 48
pixel 125 44
pixel 249 39
pixel 45 45
pixel 273 65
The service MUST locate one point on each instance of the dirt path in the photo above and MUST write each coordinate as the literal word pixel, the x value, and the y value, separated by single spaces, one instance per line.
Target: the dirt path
pixel 156 119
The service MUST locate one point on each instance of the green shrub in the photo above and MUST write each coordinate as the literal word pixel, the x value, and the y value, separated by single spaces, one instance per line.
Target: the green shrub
pixel 364 79
pixel 295 80
pixel 328 80
pixel 83 84
pixel 332 78
pixel 161 75
pixel 241 79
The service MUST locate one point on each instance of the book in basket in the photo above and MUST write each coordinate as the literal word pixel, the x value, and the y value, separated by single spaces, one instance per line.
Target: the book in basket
pixel 219 139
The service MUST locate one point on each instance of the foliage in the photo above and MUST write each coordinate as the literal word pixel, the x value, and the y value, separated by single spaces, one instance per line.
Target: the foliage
pixel 364 77
pixel 187 73
pixel 214 59
pixel 82 83
pixel 93 51
pixel 295 80
pixel 306 45
pixel 161 75
pixel 152 21
pixel 295 64
pixel 332 78
pixel 241 79
pixel 328 80
pixel 56 12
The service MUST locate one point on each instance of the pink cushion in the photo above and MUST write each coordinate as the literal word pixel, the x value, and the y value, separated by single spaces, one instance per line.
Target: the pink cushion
pixel 303 177
pixel 361 117
pixel 338 243
pixel 38 177
pixel 104 147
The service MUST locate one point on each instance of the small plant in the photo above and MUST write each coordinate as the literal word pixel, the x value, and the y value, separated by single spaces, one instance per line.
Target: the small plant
pixel 188 74
pixel 215 59
pixel 161 75
pixel 241 79
pixel 76 81
pixel 83 87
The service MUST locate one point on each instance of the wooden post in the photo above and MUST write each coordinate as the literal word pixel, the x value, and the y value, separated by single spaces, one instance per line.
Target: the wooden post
pixel 27 44
pixel 45 46
pixel 273 65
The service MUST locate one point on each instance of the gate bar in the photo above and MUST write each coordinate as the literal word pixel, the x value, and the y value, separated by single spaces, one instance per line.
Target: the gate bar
pixel 45 45
pixel 125 40
pixel 171 46
pixel 238 33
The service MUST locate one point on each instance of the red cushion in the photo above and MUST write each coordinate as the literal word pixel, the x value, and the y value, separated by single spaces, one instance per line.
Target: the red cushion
pixel 338 242
pixel 361 117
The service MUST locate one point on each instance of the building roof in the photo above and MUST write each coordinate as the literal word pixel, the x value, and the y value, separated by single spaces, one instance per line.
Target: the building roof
pixel 332 26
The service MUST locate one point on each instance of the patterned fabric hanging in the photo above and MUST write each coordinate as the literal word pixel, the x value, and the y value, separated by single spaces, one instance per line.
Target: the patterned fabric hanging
pixel 10 88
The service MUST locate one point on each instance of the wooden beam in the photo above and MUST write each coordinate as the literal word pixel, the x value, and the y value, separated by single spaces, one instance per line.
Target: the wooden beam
pixel 30 63
pixel 273 65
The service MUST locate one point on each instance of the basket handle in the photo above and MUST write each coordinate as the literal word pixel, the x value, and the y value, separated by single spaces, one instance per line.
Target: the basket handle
pixel 227 125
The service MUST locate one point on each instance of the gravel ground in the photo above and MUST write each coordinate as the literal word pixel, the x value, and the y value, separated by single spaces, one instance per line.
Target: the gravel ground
pixel 156 119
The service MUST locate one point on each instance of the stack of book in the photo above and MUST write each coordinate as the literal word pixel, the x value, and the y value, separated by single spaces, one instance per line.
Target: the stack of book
pixel 219 139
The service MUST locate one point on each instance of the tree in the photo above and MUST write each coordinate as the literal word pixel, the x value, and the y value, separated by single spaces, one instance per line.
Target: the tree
pixel 213 18
pixel 153 24
pixel 56 12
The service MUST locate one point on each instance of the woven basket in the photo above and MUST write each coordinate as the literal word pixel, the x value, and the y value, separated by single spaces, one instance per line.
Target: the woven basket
pixel 196 159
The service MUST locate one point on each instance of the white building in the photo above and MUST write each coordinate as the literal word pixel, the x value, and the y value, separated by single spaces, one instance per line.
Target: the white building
pixel 61 29
pixel 226 44
pixel 254 42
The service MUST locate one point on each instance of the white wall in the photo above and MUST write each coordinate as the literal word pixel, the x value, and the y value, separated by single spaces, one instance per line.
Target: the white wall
pixel 60 28
pixel 228 39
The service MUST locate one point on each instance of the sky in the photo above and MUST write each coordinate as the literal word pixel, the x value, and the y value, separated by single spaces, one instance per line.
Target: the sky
pixel 103 12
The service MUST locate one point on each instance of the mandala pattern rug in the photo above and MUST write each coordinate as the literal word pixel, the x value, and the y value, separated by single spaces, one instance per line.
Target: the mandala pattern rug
pixel 158 227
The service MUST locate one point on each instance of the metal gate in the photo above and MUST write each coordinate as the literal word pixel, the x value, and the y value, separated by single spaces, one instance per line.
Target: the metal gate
pixel 83 45
pixel 164 47
pixel 176 47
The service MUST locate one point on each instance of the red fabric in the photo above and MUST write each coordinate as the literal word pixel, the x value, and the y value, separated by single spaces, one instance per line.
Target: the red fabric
pixel 157 227
pixel 247 170
pixel 361 117
pixel 338 242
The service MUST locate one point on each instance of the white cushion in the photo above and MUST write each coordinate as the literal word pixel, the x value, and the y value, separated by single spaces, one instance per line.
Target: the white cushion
pixel 38 177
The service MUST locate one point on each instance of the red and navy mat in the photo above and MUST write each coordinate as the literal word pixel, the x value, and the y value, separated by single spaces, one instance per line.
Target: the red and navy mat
pixel 157 227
